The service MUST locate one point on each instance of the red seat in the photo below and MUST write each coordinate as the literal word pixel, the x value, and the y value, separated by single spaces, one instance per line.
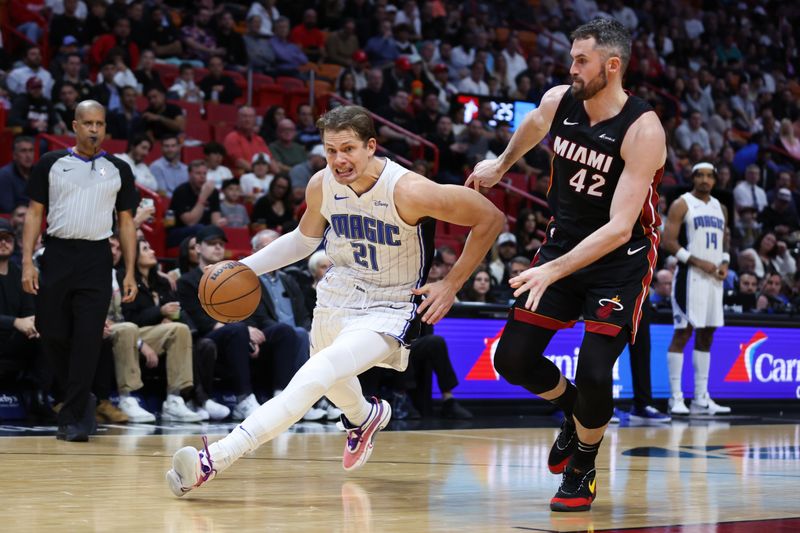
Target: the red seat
pixel 270 95
pixel 498 198
pixel 289 83
pixel 115 146
pixel 198 129
pixel 190 109
pixel 260 80
pixel 168 73
pixel 190 153
pixel 141 103
pixel 221 130
pixel 515 179
pixel 155 232
pixel 237 78
pixel 216 113
pixel 293 99
pixel 238 242
pixel 155 153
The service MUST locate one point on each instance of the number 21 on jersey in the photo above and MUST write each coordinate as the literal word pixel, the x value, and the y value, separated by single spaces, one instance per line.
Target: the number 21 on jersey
pixel 577 183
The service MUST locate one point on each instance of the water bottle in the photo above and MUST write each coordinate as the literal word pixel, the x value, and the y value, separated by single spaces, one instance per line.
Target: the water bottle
pixel 169 218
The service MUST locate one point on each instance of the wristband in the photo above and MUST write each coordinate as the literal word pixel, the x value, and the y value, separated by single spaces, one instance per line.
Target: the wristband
pixel 726 257
pixel 139 344
pixel 683 255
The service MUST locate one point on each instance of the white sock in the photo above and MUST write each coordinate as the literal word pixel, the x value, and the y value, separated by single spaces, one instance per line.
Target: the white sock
pixel 675 365
pixel 701 361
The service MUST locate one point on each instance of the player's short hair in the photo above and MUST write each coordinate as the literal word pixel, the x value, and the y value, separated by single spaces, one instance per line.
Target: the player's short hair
pixel 608 34
pixel 349 117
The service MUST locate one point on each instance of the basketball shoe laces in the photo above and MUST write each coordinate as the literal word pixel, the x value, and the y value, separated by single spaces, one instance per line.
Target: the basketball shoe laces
pixel 565 436
pixel 206 465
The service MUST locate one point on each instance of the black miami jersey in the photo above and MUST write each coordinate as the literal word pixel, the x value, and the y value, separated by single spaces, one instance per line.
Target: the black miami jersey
pixel 586 168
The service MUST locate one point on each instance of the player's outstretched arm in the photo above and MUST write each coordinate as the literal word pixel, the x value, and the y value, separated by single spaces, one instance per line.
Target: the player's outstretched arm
pixel 531 131
pixel 644 151
pixel 298 244
pixel 418 198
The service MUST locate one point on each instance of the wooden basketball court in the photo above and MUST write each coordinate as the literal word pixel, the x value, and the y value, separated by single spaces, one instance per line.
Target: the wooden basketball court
pixel 704 476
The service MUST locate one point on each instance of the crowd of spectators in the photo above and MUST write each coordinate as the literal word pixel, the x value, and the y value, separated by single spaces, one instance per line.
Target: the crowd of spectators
pixel 722 76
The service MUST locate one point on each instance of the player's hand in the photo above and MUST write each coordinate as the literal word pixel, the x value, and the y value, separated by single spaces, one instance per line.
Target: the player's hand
pixel 439 298
pixel 107 329
pixel 706 266
pixel 536 280
pixel 26 326
pixel 485 174
pixel 30 278
pixel 722 272
pixel 129 289
pixel 150 355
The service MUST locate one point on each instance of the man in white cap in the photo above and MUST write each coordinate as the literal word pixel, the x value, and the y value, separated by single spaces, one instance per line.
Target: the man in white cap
pixel 301 173
pixel 506 251
pixel 256 183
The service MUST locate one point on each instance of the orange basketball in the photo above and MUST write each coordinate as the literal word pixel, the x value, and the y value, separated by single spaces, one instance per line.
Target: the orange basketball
pixel 229 291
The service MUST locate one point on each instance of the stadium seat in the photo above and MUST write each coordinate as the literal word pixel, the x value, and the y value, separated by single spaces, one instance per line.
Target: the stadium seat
pixel 198 129
pixel 168 73
pixel 293 99
pixel 270 95
pixel 221 130
pixel 190 109
pixel 329 71
pixel 190 153
pixel 289 83
pixel 113 146
pixel 216 113
pixel 238 242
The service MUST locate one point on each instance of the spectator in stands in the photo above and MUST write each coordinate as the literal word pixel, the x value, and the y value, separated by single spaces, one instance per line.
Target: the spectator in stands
pixel 661 295
pixel 780 216
pixel 19 339
pixel 309 37
pixel 397 113
pixel 288 56
pixel 105 90
pixel 65 108
pixel 445 90
pixel 161 118
pixel 307 131
pixel 527 234
pixel 217 86
pixel 744 298
pixel 285 151
pixel 231 205
pixel 148 329
pixel 284 321
pixel 260 55
pixel 375 95
pixel 475 140
pixel 243 142
pixel 743 108
pixel 233 340
pixel 146 76
pixel 66 24
pixel 122 76
pixel 515 60
pixel 504 293
pixel 96 23
pixel 772 255
pixel 198 42
pixel 120 38
pixel 71 66
pixel 138 149
pixel 788 140
pixel 474 83
pixel 127 121
pixel 195 204
pixel 187 259
pixel 33 112
pixel 359 69
pixel 748 193
pixel 135 14
pixel 269 123
pixel 256 183
pixel 162 38
pixel 342 44
pixel 428 116
pixel 231 41
pixel 772 299
pixel 17 223
pixel 382 48
pixel 275 209
pixel 14 175
pixel 506 247
pixel 31 68
pixel 478 287
pixel 451 153
pixel 215 154
pixel 301 173
pixel 747 228
pixel 267 13
pixel 692 132
pixel 184 87
pixel 169 170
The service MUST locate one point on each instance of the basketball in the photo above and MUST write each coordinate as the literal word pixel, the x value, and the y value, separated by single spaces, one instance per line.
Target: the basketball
pixel 229 291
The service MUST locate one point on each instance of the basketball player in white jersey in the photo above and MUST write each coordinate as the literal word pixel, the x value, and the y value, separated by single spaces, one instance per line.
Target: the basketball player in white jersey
pixel 375 220
pixel 695 235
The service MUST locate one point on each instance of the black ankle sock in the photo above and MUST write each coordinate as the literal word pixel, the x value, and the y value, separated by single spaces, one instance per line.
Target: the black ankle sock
pixel 583 458
pixel 566 402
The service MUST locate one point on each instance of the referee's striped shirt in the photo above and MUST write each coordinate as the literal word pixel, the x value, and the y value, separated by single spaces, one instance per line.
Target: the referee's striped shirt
pixel 80 194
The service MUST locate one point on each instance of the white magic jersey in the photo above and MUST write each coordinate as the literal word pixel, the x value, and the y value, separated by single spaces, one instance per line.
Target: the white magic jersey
pixel 377 258
pixel 697 296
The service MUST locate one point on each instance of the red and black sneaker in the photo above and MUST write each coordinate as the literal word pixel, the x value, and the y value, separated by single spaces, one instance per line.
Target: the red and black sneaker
pixel 576 493
pixel 563 447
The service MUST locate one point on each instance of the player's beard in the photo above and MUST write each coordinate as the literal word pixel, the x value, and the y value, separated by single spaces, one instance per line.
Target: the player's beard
pixel 585 91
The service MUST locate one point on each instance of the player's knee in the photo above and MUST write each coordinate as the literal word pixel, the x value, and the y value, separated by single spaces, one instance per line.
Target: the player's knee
pixel 595 382
pixel 508 363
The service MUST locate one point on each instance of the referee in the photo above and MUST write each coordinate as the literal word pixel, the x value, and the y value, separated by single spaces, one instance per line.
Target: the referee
pixel 79 188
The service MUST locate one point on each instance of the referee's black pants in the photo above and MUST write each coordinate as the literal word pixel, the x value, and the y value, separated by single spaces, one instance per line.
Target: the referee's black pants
pixel 640 361
pixel 71 308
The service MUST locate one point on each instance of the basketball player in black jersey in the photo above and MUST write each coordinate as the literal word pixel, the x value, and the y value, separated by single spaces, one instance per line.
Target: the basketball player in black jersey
pixel 600 249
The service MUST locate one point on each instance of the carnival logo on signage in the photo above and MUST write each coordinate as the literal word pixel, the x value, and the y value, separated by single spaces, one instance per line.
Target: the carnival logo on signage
pixel 764 367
